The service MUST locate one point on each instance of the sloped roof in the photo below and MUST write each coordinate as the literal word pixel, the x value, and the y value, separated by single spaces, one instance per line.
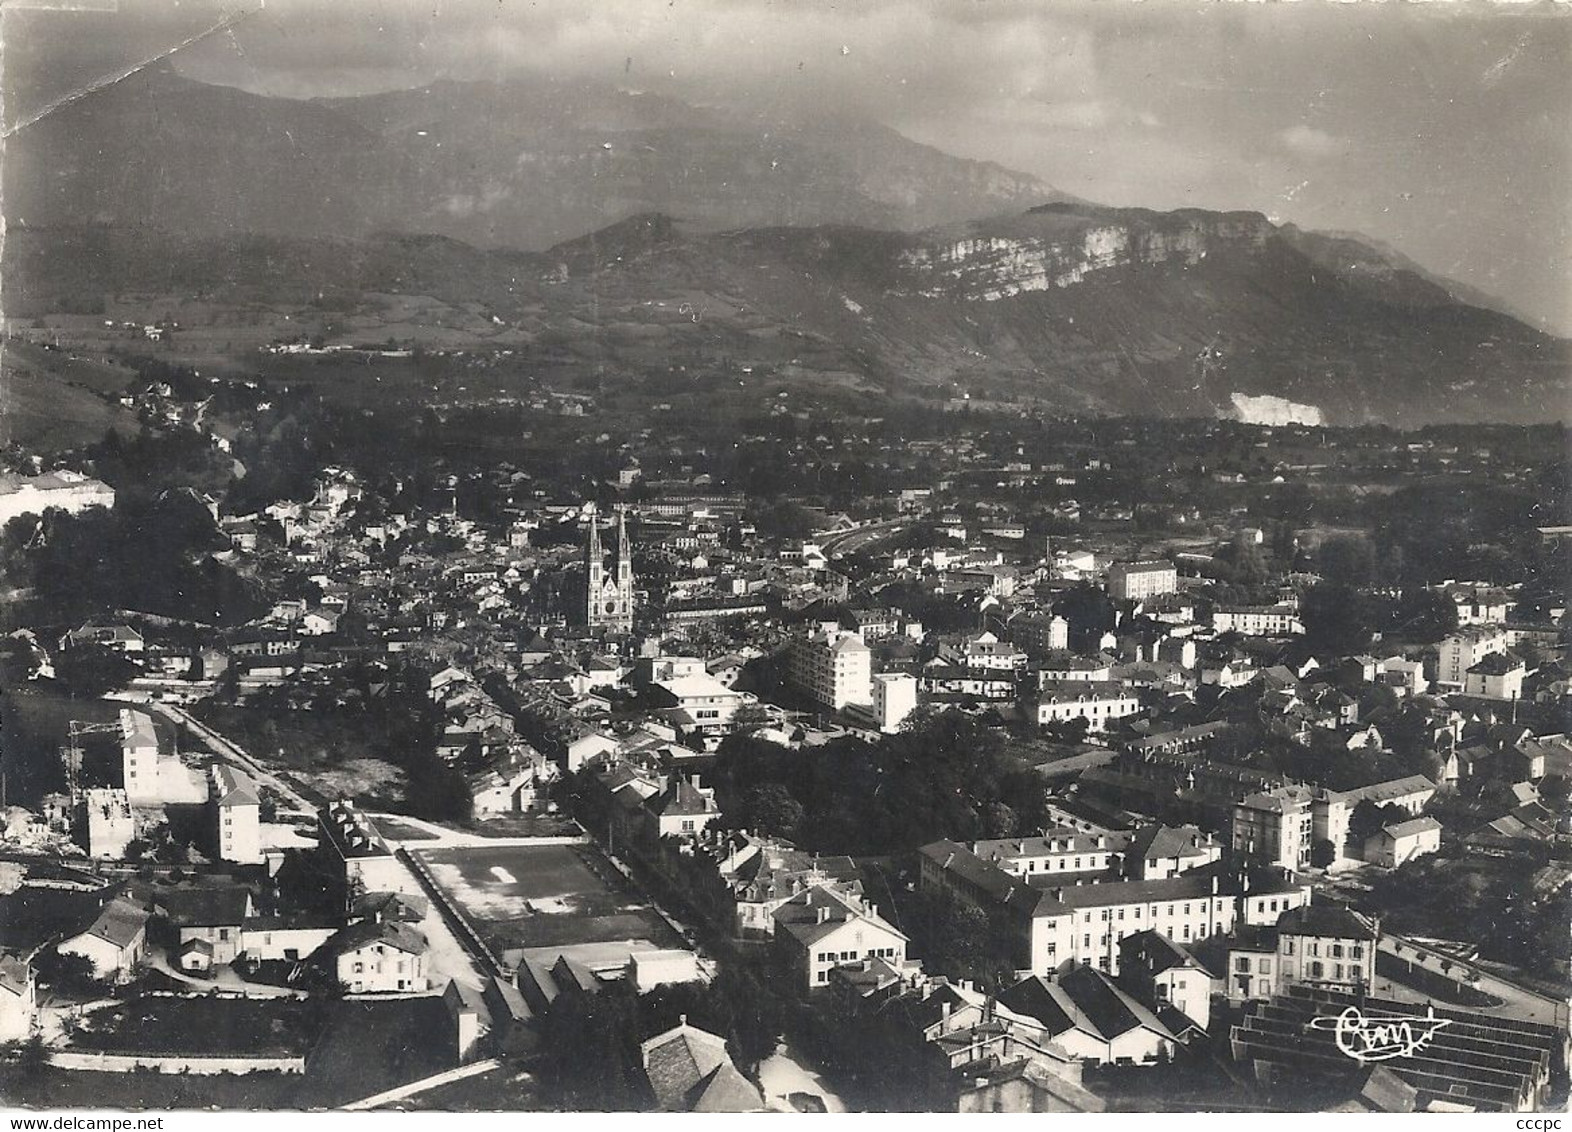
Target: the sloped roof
pixel 726 1090
pixel 235 788
pixel 1158 841
pixel 1064 1090
pixel 14 974
pixel 1160 953
pixel 369 932
pixel 119 923
pixel 679 1061
pixel 682 798
pixel 1331 920
pixel 799 916
pixel 214 906
pixel 1411 827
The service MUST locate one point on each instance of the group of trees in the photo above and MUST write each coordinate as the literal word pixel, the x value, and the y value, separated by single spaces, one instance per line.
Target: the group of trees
pixel 590 1042
pixel 1491 903
pixel 152 555
pixel 946 776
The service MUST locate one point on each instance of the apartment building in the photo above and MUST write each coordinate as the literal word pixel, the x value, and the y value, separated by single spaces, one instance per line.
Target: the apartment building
pixel 1136 581
pixel 833 666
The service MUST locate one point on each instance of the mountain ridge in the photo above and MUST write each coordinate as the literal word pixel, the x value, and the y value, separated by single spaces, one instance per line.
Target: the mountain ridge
pixel 459 159
pixel 1072 308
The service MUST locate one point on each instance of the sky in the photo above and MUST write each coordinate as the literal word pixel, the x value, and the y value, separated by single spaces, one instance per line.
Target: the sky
pixel 1443 129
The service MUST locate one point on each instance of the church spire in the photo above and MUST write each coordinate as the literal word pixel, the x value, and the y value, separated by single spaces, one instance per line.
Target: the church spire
pixel 592 552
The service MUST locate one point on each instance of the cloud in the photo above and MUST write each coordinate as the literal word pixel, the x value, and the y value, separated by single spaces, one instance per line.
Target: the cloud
pixel 1311 142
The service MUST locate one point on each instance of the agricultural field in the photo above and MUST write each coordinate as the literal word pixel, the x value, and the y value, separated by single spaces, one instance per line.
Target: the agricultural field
pixel 50 402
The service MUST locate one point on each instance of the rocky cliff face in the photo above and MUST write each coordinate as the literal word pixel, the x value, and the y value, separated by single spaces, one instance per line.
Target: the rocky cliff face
pixel 989 268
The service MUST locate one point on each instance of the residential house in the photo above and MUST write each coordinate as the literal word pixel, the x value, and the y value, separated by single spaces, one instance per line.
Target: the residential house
pixel 1498 676
pixel 1023 1085
pixel 681 810
pixel 1157 970
pixel 1039 633
pixel 1097 702
pixel 208 923
pixel 375 956
pixel 1411 793
pixel 1157 851
pixel 354 851
pixel 1462 650
pixel 1275 827
pixel 1057 850
pixel 1396 844
pixel 1258 620
pixel 114 943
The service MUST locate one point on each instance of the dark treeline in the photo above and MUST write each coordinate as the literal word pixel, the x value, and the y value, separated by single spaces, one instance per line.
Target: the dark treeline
pixel 949 776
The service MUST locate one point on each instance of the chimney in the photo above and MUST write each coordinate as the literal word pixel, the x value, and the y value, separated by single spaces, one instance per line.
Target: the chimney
pixel 944 1008
pixel 1214 886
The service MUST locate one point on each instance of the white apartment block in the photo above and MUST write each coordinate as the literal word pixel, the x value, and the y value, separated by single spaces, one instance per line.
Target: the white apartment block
pixel 1136 581
pixel 1464 649
pixel 894 699
pixel 237 814
pixel 833 666
pixel 139 756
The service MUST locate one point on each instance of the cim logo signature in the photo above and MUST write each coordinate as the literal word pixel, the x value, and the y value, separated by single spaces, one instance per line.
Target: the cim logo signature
pixel 1381 1039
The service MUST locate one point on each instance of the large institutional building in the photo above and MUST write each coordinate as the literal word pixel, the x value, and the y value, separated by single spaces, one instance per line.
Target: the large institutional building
pixel 68 491
pixel 608 583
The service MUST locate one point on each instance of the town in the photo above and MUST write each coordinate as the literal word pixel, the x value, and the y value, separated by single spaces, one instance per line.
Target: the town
pixel 795 756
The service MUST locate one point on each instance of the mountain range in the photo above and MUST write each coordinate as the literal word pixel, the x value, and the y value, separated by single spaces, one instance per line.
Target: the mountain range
pixel 524 164
pixel 816 249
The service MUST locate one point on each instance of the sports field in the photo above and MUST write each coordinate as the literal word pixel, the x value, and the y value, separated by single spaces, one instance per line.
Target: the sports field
pixel 544 896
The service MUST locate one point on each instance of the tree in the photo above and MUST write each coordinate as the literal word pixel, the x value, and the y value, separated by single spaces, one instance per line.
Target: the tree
pixel 998 820
pixel 1554 790
pixel 1368 819
pixel 959 940
pixel 1346 560
pixel 90 672
pixel 1336 619
pixel 771 809
pixel 1424 616
pixel 590 1044
pixel 1322 853
pixel 68 973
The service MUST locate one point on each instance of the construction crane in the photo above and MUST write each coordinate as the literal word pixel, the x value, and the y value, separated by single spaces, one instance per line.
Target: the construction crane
pixel 71 753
